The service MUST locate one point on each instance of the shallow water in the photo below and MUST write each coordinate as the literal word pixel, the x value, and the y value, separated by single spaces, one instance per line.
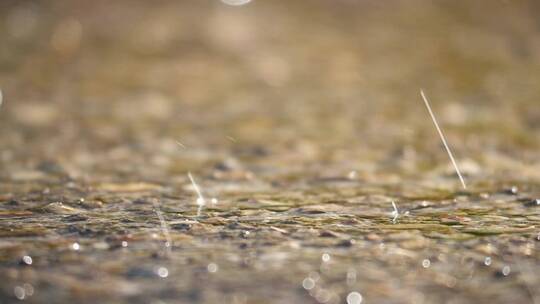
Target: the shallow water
pixel 303 120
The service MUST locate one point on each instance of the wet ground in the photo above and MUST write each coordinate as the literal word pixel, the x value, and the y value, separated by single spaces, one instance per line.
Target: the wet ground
pixel 302 119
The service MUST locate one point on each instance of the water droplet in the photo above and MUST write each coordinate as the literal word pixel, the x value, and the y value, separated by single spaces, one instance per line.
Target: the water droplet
pixel 214 200
pixel 162 272
pixel 212 267
pixel 308 283
pixel 200 201
pixel 19 292
pixel 426 263
pixel 124 244
pixel 506 270
pixel 354 298
pixel 487 261
pixel 27 260
pixel 352 175
pixel 236 2
pixel 75 246
pixel 326 257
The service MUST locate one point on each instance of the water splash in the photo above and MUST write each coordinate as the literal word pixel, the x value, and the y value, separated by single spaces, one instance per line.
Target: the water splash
pixel 395 213
pixel 200 199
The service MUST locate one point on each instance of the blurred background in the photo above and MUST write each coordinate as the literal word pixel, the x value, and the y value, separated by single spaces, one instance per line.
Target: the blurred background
pixel 110 86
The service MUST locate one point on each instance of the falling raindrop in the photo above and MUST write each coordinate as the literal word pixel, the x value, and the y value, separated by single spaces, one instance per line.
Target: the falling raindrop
pixel 487 261
pixel 124 244
pixel 75 246
pixel 426 263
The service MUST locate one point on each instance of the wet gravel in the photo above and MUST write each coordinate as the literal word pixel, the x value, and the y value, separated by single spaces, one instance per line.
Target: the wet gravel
pixel 300 122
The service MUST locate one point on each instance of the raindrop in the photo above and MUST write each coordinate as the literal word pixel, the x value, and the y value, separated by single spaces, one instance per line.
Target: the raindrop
pixel 124 244
pixel 214 200
pixel 28 289
pixel 212 267
pixel 27 260
pixel 162 272
pixel 19 292
pixel 395 213
pixel 308 283
pixel 326 257
pixel 506 270
pixel 487 261
pixel 354 298
pixel 75 246
pixel 352 175
pixel 426 263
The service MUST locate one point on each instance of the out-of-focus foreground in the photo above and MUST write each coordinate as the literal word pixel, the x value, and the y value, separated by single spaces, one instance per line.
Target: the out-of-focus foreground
pixel 302 119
